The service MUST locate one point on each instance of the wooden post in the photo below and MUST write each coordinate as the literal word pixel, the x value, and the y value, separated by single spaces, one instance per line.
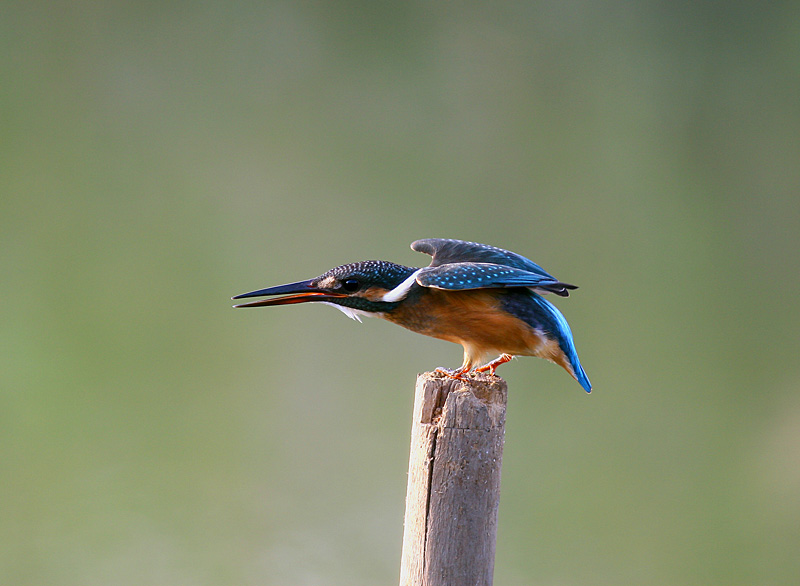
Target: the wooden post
pixel 454 481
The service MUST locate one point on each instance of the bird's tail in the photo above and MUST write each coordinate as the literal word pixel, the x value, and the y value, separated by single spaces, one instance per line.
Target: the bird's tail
pixel 580 375
pixel 564 336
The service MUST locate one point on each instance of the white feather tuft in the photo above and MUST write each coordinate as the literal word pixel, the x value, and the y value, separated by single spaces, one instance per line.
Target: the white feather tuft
pixel 402 289
pixel 349 311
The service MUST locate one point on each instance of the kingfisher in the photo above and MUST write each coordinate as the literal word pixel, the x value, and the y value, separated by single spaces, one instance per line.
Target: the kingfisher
pixel 487 299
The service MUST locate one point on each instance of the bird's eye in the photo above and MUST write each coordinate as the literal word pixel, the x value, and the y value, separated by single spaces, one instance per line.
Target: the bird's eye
pixel 350 284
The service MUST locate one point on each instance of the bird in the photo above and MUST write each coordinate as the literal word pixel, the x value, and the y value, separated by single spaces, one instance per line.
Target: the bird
pixel 485 298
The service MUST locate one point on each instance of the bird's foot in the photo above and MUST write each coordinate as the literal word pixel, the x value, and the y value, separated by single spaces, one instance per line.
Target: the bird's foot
pixel 457 374
pixel 492 366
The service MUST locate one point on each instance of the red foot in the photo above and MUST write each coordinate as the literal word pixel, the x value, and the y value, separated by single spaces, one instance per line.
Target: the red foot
pixel 492 366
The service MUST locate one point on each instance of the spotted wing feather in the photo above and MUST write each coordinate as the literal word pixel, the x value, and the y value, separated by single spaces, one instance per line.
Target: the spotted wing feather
pixel 472 275
pixel 447 252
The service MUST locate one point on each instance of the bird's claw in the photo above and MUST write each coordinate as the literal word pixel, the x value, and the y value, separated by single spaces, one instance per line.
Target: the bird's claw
pixel 457 374
pixel 492 366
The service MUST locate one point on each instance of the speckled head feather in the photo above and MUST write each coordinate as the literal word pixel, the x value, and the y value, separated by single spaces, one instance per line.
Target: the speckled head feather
pixel 374 273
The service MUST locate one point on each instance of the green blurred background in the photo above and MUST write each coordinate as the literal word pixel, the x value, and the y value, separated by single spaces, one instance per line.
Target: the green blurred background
pixel 159 157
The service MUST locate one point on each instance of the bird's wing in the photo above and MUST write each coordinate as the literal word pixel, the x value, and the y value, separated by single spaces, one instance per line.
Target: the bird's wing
pixel 445 251
pixel 518 270
pixel 481 275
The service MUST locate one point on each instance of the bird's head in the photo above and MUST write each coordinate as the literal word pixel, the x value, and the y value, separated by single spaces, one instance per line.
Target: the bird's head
pixel 361 287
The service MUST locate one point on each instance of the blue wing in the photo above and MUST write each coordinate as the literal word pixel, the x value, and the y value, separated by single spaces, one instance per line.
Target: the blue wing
pixel 478 275
pixel 445 250
pixel 457 264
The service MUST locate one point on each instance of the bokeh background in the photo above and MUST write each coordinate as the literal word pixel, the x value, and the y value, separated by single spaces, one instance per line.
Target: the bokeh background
pixel 158 158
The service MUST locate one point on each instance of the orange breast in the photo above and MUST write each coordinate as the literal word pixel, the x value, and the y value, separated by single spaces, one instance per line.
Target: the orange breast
pixel 475 320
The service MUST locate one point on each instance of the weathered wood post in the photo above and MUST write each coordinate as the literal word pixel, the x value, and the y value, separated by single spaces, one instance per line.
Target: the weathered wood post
pixel 454 480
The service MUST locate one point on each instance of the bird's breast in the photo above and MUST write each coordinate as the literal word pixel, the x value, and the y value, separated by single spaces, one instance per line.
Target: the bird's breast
pixel 473 318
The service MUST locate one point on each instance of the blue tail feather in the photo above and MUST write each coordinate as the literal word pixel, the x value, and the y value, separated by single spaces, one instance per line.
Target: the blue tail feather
pixel 558 327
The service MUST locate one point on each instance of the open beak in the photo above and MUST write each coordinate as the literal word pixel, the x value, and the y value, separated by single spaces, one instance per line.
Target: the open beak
pixel 299 292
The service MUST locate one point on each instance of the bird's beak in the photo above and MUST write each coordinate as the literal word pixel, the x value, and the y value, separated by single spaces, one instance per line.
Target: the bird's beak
pixel 299 292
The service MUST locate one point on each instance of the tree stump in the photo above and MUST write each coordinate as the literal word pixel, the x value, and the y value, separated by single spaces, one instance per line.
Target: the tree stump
pixel 453 491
